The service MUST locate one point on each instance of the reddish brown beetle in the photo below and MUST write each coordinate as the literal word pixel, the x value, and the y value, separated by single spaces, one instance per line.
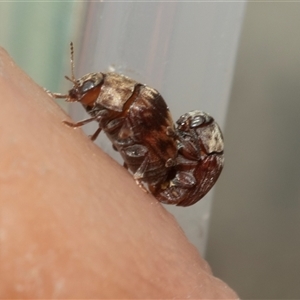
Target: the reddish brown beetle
pixel 200 160
pixel 135 118
pixel 178 165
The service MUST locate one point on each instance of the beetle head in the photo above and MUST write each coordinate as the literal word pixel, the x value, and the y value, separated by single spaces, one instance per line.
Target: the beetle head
pixel 193 119
pixel 199 128
pixel 86 89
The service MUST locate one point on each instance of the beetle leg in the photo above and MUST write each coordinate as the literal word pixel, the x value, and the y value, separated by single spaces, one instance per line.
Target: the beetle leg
pixel 56 95
pixel 97 118
pixel 80 123
pixel 125 165
pixel 188 146
pixel 139 174
pixel 184 180
pixel 95 134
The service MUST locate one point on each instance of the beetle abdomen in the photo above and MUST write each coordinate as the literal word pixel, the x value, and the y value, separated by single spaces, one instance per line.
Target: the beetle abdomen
pixel 140 134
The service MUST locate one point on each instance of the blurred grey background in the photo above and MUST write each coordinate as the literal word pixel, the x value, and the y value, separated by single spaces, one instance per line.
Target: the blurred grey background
pixel 254 240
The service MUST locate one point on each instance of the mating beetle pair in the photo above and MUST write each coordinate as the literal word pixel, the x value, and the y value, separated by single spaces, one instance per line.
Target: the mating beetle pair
pixel 179 163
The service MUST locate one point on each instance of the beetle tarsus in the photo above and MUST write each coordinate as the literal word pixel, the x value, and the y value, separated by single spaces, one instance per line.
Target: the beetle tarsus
pixel 56 95
pixel 94 136
pixel 80 123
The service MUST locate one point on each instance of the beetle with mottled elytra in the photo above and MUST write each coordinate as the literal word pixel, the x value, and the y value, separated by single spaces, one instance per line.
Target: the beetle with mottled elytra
pixel 199 162
pixel 178 165
pixel 135 118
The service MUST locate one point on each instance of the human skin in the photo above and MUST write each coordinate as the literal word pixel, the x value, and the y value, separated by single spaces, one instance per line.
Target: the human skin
pixel 73 223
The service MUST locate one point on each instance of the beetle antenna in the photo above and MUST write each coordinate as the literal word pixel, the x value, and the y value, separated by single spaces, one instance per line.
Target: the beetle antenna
pixel 72 79
pixel 72 62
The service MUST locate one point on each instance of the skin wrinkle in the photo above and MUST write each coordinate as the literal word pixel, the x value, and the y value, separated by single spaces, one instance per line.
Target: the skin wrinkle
pixel 73 223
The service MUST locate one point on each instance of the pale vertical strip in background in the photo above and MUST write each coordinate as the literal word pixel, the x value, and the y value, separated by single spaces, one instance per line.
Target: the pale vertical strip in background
pixel 254 240
pixel 185 50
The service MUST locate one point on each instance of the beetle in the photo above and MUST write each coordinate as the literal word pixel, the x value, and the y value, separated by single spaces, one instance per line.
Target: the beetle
pixel 135 118
pixel 178 165
pixel 199 162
